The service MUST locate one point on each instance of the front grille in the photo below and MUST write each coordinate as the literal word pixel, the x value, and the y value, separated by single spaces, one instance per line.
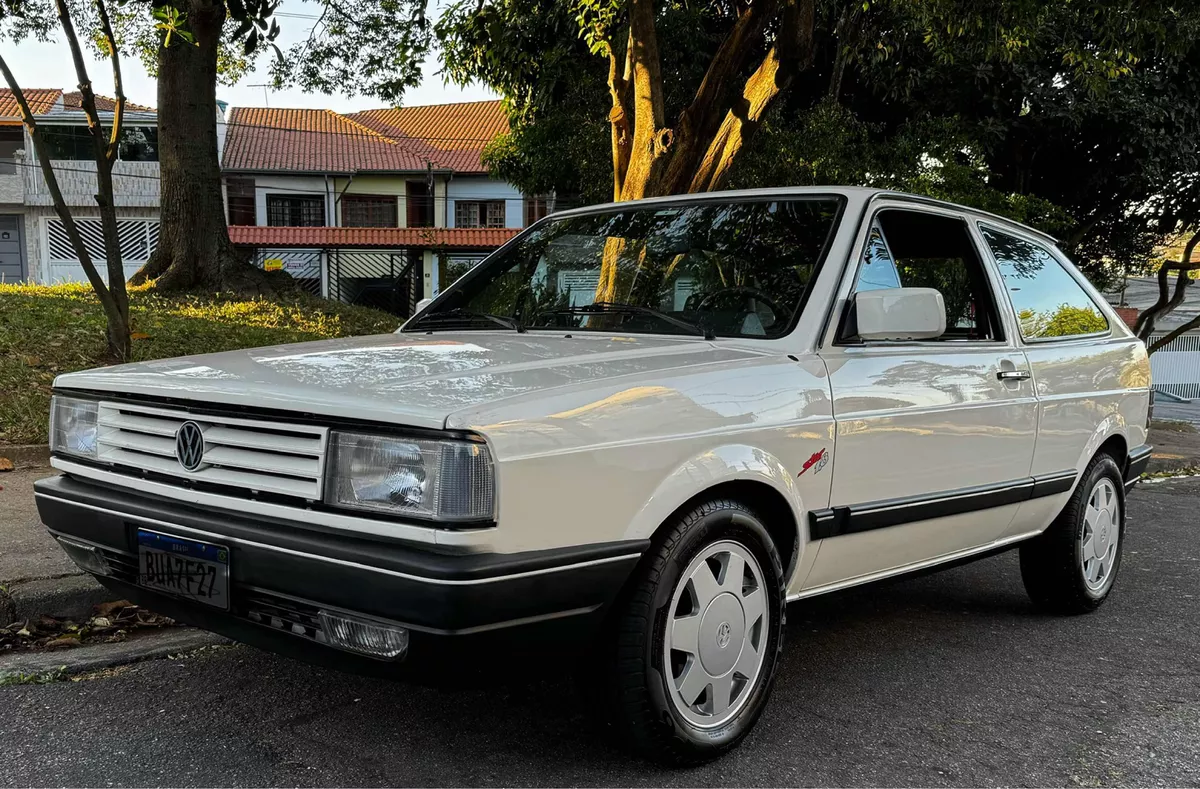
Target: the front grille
pixel 250 454
pixel 123 566
pixel 282 613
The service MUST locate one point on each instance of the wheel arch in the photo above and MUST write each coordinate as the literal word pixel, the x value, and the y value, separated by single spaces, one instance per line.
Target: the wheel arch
pixel 1109 437
pixel 742 473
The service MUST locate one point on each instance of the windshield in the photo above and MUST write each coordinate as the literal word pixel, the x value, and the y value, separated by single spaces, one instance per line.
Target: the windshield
pixel 737 269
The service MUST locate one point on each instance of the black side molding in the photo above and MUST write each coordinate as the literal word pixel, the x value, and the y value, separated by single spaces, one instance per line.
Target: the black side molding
pixel 836 521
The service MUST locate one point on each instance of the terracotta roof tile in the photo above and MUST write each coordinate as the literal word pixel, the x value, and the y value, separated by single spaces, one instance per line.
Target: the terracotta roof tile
pixel 301 140
pixel 41 100
pixel 103 103
pixel 371 237
pixel 453 135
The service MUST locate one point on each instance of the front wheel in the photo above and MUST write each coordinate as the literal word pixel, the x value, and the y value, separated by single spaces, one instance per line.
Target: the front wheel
pixel 1070 568
pixel 698 635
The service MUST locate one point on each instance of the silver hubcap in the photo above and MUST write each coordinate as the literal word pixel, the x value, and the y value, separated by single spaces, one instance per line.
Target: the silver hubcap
pixel 1099 537
pixel 716 634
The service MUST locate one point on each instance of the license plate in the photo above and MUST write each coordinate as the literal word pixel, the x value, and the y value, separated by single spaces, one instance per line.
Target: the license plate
pixel 190 569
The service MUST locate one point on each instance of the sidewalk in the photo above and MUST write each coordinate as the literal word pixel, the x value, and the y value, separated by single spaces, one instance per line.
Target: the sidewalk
pixel 39 576
pixel 1176 446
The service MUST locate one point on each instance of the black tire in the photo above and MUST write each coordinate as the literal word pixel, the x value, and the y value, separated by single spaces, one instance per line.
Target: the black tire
pixel 640 706
pixel 1051 564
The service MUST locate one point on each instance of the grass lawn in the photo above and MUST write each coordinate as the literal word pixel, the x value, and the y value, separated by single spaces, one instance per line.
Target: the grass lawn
pixel 50 329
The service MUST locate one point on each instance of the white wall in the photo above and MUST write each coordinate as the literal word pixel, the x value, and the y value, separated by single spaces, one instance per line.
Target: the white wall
pixel 484 188
pixel 135 184
pixel 12 187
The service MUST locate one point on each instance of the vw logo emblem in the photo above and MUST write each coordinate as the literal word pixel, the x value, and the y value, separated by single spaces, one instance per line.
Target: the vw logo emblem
pixel 724 631
pixel 189 446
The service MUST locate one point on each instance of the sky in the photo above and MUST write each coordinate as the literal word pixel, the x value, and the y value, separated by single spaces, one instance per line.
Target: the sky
pixel 37 65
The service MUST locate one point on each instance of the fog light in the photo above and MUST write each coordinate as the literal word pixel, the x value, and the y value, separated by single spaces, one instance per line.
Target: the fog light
pixel 369 638
pixel 87 557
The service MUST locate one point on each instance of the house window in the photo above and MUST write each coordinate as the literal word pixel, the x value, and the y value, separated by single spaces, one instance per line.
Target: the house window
pixel 479 213
pixel 369 211
pixel 12 138
pixel 536 207
pixel 74 143
pixel 296 210
pixel 240 196
pixel 138 144
pixel 420 204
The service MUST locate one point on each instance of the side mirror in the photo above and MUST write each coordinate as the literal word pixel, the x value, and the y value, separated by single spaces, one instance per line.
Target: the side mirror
pixel 900 314
pixel 422 304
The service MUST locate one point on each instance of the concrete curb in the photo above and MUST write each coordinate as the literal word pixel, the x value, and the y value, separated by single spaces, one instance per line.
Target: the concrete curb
pixel 26 455
pixel 141 645
pixel 68 597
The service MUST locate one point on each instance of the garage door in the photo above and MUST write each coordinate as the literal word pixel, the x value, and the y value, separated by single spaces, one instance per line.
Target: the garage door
pixel 138 237
pixel 11 253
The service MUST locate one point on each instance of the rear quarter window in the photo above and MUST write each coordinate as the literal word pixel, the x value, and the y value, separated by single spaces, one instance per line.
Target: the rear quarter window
pixel 1049 302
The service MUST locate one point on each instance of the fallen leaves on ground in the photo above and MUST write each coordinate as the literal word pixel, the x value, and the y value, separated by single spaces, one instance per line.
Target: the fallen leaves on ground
pixel 111 622
pixel 6 464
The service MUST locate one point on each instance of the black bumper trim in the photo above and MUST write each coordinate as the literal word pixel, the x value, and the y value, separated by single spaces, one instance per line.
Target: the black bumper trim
pixel 1139 458
pixel 437 593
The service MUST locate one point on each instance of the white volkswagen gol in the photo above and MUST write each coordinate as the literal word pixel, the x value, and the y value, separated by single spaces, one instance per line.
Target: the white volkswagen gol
pixel 645 427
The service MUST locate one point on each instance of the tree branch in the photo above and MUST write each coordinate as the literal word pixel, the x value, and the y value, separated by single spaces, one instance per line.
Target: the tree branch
pixel 1171 335
pixel 118 84
pixel 87 99
pixel 618 116
pixel 718 90
pixel 1143 327
pixel 118 323
pixel 792 53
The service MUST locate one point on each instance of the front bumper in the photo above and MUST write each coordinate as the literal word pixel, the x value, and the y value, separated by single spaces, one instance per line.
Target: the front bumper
pixel 282 574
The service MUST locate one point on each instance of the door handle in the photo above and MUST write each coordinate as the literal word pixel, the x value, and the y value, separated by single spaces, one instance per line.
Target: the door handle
pixel 1014 375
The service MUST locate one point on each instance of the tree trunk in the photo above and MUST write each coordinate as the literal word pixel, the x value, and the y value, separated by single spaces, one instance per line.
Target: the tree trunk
pixel 697 154
pixel 194 251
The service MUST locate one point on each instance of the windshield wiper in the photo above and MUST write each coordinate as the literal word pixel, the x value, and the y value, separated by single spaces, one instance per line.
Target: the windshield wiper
pixel 460 314
pixel 637 309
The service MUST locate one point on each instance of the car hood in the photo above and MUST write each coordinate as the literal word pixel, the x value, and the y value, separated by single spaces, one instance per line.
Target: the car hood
pixel 414 379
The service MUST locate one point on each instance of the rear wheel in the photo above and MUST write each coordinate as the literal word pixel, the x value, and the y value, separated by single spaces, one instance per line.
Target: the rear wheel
pixel 698 636
pixel 1072 566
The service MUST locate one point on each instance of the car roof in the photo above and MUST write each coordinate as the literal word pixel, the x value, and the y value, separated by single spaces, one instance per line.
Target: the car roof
pixel 864 193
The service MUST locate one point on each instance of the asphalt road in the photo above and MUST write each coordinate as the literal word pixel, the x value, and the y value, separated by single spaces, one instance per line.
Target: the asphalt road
pixel 946 680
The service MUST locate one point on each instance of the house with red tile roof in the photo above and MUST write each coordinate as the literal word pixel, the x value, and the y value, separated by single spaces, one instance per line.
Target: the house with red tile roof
pixel 353 204
pixel 33 241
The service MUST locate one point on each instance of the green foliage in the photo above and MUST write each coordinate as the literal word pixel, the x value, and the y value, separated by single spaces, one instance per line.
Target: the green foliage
pixel 1076 117
pixel 12 678
pixel 47 330
pixel 370 47
pixel 935 157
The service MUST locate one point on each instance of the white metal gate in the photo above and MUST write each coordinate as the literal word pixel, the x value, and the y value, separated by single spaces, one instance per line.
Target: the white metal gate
pixel 1175 368
pixel 138 237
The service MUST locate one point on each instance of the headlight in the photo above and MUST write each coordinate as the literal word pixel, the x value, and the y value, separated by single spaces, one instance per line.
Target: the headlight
pixel 441 479
pixel 73 426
